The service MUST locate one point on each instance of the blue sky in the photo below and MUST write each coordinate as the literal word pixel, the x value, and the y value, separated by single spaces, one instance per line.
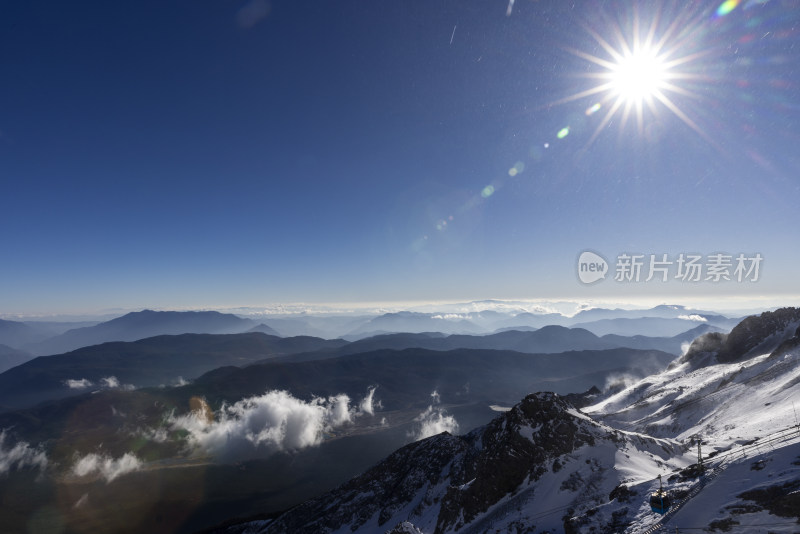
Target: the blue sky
pixel 235 153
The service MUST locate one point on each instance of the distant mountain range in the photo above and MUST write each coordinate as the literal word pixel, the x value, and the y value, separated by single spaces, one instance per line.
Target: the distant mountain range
pixel 16 334
pixel 48 337
pixel 139 325
pixel 660 321
pixel 167 359
pixel 549 339
pixel 655 326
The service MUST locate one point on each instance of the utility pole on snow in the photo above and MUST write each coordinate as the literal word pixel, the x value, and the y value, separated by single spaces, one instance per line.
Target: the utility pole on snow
pixel 699 455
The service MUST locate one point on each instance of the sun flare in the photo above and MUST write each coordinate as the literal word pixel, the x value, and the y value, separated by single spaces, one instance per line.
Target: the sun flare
pixel 640 72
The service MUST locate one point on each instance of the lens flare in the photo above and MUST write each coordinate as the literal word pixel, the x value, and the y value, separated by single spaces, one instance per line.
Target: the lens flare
pixel 641 70
pixel 593 109
pixel 726 7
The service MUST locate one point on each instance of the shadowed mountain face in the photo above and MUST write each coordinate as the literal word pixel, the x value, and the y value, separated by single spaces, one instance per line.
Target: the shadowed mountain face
pixel 140 325
pixel 547 339
pixel 149 362
pixel 407 377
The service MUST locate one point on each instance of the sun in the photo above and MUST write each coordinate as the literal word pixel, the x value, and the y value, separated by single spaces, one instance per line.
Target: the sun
pixel 638 76
pixel 641 74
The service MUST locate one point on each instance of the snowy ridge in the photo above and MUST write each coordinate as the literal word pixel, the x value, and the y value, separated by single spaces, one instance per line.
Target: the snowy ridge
pixel 725 403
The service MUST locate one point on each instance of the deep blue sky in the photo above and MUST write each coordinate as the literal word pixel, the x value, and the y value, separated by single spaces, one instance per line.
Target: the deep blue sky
pixel 219 152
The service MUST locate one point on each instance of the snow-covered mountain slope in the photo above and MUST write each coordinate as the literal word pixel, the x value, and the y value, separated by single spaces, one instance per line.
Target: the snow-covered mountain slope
pixel 529 468
pixel 738 394
pixel 546 467
pixel 727 389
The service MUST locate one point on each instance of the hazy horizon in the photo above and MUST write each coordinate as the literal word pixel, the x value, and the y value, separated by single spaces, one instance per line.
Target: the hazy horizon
pixel 565 307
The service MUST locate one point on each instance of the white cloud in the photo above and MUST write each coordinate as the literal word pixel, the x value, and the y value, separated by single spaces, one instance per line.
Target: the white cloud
pixel 434 421
pixel 693 317
pixel 111 382
pixel 268 423
pixel 19 456
pixel 368 405
pixel 340 410
pixel 107 467
pixel 78 384
pixel 159 435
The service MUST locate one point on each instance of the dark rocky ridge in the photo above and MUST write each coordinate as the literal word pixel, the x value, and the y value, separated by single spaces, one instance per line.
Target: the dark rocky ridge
pixel 746 336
